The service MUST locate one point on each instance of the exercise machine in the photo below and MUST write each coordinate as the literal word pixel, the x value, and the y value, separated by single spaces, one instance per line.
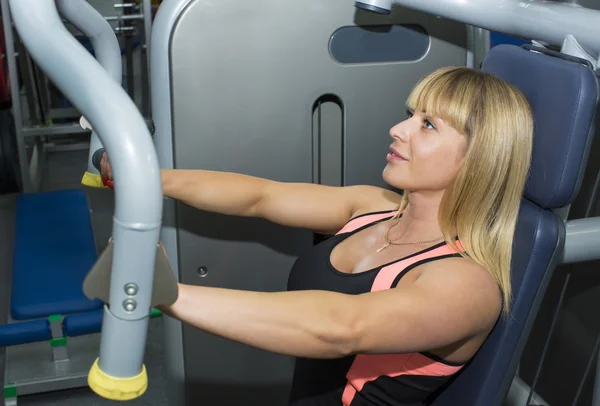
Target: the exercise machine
pixel 44 120
pixel 61 290
pixel 302 99
pixel 298 91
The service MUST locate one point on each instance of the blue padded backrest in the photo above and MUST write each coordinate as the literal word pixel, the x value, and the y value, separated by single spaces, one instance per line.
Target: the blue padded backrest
pixel 563 95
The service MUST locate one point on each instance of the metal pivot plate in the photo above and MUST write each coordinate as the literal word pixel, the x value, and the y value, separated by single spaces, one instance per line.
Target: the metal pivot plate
pixel 164 289
pixel 9 156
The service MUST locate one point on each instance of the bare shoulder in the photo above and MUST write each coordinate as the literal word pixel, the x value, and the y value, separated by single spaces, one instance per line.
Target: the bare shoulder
pixel 463 284
pixel 368 199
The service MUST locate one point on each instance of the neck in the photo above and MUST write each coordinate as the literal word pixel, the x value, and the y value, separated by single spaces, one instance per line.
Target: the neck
pixel 420 217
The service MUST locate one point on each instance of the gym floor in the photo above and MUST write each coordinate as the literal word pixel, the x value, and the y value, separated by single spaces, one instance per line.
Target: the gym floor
pixel 63 171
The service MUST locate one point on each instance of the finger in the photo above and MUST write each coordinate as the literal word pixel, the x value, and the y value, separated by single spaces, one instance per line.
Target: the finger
pixel 103 164
pixel 105 169
pixel 108 168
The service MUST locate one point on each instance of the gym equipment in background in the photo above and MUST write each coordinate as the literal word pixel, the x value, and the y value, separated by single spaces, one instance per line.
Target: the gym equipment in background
pixel 52 337
pixel 5 95
pixel 46 122
pixel 10 179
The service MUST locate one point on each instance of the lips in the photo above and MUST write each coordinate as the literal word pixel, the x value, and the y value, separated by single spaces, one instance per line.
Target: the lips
pixel 396 154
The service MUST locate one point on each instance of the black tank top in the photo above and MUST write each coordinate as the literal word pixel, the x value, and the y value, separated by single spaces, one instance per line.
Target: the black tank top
pixel 364 380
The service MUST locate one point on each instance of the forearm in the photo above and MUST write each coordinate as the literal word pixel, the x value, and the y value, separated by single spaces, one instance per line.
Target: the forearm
pixel 217 192
pixel 314 324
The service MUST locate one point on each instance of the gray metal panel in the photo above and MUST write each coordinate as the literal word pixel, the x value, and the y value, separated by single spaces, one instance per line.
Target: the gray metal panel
pixel 376 44
pixel 245 77
pixel 165 19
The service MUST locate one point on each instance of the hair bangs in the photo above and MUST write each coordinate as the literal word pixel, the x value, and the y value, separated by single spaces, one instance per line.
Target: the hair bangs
pixel 449 94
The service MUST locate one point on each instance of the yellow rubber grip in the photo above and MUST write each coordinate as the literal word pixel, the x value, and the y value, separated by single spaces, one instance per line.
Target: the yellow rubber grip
pixel 117 388
pixel 92 180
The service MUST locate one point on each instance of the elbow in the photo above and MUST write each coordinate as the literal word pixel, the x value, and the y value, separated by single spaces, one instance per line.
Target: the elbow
pixel 256 207
pixel 336 345
pixel 347 348
pixel 343 336
pixel 349 342
pixel 353 337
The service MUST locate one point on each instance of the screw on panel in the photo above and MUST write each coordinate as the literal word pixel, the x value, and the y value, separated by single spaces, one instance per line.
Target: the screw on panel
pixel 129 305
pixel 131 289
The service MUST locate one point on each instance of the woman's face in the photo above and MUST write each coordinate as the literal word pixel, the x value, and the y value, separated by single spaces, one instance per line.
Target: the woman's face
pixel 425 155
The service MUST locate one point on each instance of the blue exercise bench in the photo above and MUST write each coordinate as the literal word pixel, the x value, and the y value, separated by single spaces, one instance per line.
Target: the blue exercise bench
pixel 563 92
pixel 51 320
pixel 54 249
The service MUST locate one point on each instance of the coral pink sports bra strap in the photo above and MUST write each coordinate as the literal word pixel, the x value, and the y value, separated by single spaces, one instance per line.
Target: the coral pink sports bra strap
pixel 385 278
pixel 364 219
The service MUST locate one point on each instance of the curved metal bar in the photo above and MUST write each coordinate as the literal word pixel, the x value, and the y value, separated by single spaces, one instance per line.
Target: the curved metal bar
pixel 546 21
pixel 93 25
pixel 106 47
pixel 138 194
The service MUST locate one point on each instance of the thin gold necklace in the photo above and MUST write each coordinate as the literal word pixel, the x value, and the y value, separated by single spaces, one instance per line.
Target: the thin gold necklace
pixel 390 242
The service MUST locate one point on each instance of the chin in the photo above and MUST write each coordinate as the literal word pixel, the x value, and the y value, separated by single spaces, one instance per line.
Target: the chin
pixel 393 179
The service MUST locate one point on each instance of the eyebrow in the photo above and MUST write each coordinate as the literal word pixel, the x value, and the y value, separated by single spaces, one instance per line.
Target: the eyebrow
pixel 412 111
pixel 427 117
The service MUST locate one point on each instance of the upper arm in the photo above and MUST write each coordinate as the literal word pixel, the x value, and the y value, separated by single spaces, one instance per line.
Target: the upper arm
pixel 321 208
pixel 451 301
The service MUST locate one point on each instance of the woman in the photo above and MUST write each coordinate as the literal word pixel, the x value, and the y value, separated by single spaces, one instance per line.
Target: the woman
pixel 409 287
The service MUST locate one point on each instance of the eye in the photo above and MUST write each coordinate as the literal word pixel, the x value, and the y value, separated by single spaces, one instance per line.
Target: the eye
pixel 429 125
pixel 426 122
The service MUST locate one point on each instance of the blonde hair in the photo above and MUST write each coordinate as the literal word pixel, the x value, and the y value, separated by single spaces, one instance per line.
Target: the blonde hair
pixel 481 205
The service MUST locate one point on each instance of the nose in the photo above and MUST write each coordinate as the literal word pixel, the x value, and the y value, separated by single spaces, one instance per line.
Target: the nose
pixel 401 131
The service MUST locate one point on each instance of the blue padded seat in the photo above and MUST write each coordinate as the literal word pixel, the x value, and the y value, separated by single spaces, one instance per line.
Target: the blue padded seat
pixel 24 332
pixel 53 252
pixel 83 323
pixel 563 95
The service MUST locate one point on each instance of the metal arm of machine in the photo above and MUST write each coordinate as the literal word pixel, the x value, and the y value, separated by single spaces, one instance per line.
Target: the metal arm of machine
pixel 93 25
pixel 147 10
pixel 106 47
pixel 545 21
pixel 119 372
pixel 583 241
